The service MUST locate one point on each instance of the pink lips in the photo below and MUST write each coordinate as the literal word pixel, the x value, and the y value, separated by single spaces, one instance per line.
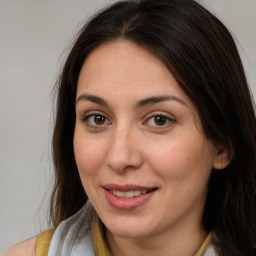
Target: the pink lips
pixel 127 203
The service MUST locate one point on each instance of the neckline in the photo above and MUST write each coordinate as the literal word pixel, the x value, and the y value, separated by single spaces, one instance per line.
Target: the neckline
pixel 204 245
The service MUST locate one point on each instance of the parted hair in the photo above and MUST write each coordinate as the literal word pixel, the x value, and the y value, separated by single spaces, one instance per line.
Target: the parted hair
pixel 201 54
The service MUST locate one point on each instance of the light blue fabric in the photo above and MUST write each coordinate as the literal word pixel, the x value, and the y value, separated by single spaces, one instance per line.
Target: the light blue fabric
pixel 73 237
pixel 211 251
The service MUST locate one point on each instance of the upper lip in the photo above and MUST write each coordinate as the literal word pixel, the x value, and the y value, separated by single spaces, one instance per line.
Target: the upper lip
pixel 127 187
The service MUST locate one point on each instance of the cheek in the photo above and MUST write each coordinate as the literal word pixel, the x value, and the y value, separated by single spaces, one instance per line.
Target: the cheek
pixel 184 167
pixel 88 155
pixel 89 160
pixel 182 158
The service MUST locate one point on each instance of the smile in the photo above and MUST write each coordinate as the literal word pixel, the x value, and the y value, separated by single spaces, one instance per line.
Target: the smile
pixel 128 194
pixel 127 197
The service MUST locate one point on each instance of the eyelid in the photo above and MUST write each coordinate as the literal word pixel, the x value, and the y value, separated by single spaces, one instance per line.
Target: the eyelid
pixel 89 114
pixel 162 114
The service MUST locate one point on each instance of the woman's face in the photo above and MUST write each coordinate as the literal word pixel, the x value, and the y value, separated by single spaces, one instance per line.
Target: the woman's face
pixel 141 152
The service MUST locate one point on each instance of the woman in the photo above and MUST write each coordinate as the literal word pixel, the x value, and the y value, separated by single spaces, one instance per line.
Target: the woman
pixel 155 126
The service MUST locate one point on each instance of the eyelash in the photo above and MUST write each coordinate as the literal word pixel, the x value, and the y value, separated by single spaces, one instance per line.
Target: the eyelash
pixel 167 120
pixel 87 117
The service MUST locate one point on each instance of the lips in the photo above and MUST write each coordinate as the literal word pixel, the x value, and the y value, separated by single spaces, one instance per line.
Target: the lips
pixel 128 196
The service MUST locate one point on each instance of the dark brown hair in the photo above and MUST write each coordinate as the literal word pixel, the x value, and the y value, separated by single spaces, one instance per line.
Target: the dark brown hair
pixel 201 54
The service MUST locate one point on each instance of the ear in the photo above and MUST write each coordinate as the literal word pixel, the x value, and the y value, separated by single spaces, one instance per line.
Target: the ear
pixel 222 159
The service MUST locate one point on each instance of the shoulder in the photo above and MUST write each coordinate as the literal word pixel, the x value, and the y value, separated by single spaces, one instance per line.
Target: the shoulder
pixel 24 248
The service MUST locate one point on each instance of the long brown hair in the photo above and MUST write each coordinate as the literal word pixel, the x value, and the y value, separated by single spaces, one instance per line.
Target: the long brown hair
pixel 201 54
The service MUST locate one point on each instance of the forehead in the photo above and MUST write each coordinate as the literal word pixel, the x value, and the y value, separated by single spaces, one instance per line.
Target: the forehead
pixel 123 58
pixel 123 65
pixel 124 74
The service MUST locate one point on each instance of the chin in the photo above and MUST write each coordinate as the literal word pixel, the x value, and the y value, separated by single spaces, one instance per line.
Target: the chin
pixel 127 229
pixel 130 234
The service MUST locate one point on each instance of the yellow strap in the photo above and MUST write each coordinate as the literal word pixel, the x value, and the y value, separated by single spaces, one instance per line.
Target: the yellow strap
pixel 99 243
pixel 204 245
pixel 43 242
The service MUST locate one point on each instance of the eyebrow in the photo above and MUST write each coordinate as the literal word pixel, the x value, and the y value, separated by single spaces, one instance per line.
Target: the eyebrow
pixel 92 98
pixel 157 99
pixel 142 103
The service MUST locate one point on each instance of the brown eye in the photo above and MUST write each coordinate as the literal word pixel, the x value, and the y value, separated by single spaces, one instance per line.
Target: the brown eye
pixel 160 120
pixel 99 119
pixel 96 120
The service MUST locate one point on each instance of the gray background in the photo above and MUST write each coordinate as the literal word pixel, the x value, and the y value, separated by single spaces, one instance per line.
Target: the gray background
pixel 34 38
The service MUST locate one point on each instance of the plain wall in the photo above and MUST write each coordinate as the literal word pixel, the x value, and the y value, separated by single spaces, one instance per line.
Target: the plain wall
pixel 33 39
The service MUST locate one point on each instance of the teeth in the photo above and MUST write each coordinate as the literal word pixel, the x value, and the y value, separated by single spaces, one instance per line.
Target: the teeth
pixel 128 194
pixel 136 193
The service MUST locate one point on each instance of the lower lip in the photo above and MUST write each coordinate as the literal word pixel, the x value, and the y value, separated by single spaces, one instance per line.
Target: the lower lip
pixel 127 203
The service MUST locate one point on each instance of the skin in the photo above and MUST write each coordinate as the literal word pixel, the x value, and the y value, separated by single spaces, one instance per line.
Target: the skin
pixel 24 248
pixel 130 147
pixel 127 146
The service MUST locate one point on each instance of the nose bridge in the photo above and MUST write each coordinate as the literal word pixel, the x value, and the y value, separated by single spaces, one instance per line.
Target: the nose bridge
pixel 123 150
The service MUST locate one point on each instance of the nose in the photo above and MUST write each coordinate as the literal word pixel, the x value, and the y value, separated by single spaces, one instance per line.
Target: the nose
pixel 123 153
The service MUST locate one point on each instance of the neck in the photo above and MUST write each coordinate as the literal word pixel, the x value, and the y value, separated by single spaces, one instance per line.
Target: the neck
pixel 178 243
